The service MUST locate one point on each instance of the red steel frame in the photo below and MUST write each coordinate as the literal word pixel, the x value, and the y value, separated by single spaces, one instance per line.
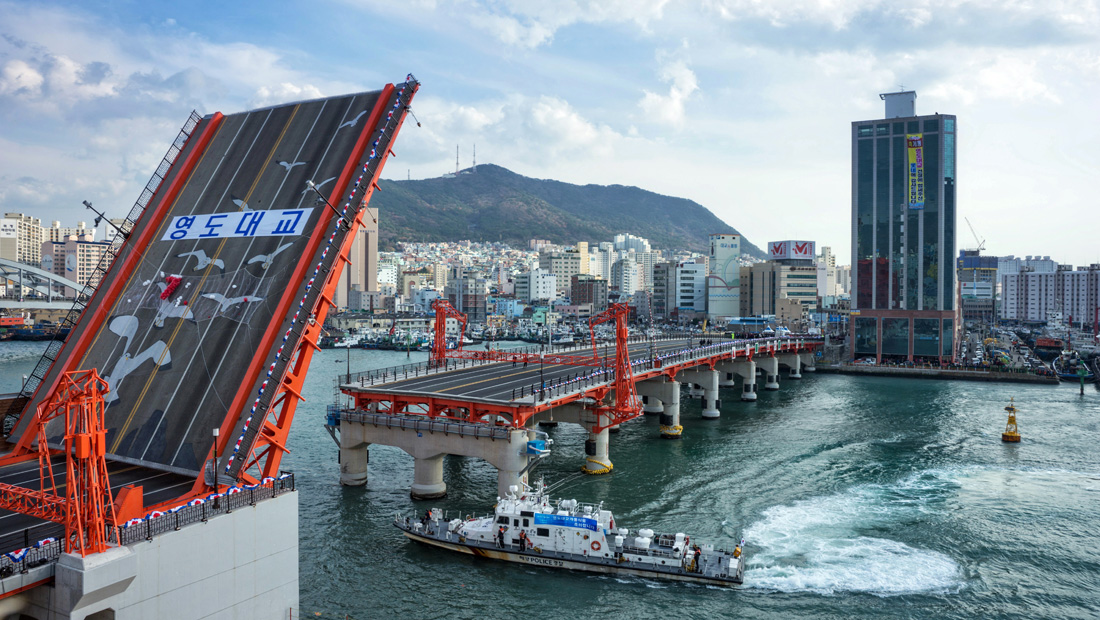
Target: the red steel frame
pixel 87 504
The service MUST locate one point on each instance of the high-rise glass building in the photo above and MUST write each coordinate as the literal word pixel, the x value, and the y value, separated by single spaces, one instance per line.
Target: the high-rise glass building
pixel 903 233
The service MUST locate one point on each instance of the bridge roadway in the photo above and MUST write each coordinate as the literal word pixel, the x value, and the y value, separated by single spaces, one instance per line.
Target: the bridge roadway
pixel 189 321
pixel 518 392
pixel 503 383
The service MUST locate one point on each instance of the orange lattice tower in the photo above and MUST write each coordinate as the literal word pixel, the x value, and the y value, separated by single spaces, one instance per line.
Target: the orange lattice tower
pixel 79 399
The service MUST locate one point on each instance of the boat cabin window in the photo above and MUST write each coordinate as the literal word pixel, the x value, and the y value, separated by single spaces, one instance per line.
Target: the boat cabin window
pixel 502 520
pixel 542 531
pixel 526 523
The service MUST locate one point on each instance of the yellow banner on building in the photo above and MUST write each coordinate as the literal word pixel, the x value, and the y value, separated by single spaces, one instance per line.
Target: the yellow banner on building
pixel 916 170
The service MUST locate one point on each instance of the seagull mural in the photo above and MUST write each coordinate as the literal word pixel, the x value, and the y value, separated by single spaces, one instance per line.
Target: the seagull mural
pixel 267 258
pixel 353 121
pixel 126 328
pixel 226 303
pixel 288 165
pixel 318 185
pixel 204 260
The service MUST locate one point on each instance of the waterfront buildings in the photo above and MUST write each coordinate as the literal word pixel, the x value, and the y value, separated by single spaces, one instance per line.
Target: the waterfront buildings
pixel 564 265
pixel 1034 297
pixel 74 257
pixel 361 273
pixel 690 289
pixel 768 288
pixel 537 285
pixel 977 285
pixel 903 233
pixel 724 277
pixel 589 289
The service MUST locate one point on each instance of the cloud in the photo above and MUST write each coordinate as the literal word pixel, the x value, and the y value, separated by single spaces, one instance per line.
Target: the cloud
pixel 526 24
pixel 282 93
pixel 19 79
pixel 670 108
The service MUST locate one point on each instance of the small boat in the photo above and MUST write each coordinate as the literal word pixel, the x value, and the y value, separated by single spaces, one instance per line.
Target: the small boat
pixel 528 528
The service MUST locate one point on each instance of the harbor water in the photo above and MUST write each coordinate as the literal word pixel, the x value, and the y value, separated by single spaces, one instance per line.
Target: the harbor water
pixel 859 497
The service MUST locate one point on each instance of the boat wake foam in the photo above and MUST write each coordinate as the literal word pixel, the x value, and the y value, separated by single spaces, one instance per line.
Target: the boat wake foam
pixel 823 544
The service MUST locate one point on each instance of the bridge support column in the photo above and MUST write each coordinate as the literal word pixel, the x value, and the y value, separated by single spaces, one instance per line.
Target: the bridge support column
pixel 695 391
pixel 670 417
pixel 428 478
pixel 652 392
pixel 726 374
pixel 747 370
pixel 512 462
pixel 770 365
pixel 792 361
pixel 596 457
pixel 705 383
pixel 354 457
pixel 809 359
pixel 711 404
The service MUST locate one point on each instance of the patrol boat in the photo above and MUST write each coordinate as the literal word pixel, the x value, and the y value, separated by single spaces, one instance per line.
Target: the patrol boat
pixel 528 528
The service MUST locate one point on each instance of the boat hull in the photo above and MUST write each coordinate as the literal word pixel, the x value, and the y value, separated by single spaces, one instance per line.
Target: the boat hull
pixel 534 559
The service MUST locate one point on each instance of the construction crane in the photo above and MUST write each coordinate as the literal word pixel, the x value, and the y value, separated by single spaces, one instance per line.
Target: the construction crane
pixel 981 242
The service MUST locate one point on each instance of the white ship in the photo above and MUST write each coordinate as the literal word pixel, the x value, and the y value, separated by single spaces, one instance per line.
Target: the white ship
pixel 529 528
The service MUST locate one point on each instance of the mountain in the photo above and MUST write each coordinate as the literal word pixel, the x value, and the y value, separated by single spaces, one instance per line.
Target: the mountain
pixel 496 204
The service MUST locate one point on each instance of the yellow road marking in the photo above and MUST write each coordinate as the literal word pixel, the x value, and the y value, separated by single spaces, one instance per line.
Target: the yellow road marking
pixel 195 294
pixel 133 276
pixel 491 379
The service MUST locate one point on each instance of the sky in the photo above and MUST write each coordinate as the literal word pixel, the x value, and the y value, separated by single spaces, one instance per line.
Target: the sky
pixel 744 106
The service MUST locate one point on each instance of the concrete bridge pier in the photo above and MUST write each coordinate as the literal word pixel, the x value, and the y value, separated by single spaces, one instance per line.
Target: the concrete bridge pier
pixel 596 457
pixel 792 361
pixel 747 370
pixel 428 478
pixel 707 382
pixel 770 366
pixel 808 359
pixel 695 390
pixel 651 392
pixel 726 375
pixel 353 461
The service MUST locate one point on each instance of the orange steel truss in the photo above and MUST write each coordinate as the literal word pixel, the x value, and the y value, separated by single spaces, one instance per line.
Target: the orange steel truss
pixel 627 404
pixel 87 504
pixel 443 311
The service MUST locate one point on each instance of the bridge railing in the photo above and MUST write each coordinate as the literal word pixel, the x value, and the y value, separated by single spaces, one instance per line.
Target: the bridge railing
pixel 26 551
pixel 173 521
pixel 413 370
pixel 418 423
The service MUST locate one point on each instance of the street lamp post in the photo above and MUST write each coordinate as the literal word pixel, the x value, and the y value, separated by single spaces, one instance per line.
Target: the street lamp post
pixel 99 217
pixel 214 468
pixel 321 198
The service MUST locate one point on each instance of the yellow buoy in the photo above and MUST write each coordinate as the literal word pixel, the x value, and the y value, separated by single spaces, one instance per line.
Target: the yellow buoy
pixel 1011 433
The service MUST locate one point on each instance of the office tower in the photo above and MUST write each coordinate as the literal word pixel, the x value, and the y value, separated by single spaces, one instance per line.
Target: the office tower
pixel 903 233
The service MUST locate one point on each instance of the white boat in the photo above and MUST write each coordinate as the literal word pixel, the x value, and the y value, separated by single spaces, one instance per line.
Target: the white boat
pixel 528 528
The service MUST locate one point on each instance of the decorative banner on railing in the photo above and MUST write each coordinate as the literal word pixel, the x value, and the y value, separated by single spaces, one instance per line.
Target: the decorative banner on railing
pixel 273 223
pixel 19 554
pixel 199 501
pixel 317 270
